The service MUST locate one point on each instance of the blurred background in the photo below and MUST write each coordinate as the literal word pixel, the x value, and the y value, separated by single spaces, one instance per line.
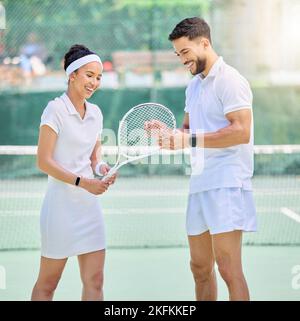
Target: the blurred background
pixel 259 38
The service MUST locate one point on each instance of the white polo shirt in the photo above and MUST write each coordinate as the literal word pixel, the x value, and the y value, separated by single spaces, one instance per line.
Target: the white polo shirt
pixel 76 136
pixel 208 100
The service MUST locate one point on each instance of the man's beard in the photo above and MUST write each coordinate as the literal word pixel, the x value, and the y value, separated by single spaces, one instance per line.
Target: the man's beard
pixel 200 66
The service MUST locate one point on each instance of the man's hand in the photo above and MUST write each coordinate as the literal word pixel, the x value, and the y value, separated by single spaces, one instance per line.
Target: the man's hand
pixel 168 139
pixel 154 126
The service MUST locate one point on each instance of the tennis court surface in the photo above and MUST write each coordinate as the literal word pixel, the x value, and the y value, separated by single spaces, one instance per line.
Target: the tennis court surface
pixel 147 257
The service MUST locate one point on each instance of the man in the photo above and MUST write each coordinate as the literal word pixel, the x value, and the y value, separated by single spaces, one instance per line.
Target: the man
pixel 218 115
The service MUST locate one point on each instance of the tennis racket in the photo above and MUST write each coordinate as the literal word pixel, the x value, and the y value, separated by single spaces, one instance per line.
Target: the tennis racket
pixel 135 141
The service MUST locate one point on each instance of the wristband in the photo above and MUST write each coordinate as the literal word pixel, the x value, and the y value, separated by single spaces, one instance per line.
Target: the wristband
pixel 97 168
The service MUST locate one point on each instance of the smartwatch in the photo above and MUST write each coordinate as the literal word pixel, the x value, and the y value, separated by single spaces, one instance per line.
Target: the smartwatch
pixel 193 140
pixel 77 181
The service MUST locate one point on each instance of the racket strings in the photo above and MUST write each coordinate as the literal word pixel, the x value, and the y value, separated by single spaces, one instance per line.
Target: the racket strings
pixel 132 131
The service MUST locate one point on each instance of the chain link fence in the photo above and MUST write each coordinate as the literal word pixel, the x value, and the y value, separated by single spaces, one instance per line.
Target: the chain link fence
pixel 126 34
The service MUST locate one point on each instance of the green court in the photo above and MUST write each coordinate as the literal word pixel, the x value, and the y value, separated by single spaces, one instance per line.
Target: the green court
pixel 149 211
pixel 157 274
pixel 147 256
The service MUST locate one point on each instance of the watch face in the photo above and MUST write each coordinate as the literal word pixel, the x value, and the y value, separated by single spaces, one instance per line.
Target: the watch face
pixel 77 181
pixel 194 140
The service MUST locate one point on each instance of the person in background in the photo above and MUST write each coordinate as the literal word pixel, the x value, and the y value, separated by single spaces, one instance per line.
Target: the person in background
pixel 32 58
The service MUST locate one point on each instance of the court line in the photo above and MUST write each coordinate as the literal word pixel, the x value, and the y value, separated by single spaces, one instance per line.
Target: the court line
pixel 135 193
pixel 291 214
pixel 106 211
pixel 143 210
pixel 113 194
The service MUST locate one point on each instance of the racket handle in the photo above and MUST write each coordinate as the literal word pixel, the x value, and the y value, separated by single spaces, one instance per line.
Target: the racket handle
pixel 111 172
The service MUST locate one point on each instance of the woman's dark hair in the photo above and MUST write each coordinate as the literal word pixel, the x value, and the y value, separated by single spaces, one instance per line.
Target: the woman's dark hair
pixel 74 53
pixel 191 28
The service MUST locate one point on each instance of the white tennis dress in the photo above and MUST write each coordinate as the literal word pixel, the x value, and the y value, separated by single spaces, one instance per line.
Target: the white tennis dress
pixel 71 218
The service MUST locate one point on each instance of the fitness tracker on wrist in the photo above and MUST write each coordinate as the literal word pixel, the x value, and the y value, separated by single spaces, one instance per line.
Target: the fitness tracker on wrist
pixel 193 140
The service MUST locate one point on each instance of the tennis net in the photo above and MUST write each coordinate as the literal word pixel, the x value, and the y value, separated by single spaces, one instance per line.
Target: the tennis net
pixel 146 206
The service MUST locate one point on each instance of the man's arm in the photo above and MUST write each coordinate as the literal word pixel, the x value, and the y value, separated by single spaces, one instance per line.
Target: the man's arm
pixel 185 123
pixel 238 132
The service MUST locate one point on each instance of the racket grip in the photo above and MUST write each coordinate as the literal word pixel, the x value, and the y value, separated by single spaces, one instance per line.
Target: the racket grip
pixel 111 172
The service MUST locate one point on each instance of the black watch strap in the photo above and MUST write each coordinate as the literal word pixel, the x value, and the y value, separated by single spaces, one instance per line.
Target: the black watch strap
pixel 77 181
pixel 193 140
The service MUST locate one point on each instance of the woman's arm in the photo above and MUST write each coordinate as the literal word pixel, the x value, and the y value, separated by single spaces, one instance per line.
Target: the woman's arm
pixel 96 155
pixel 45 161
pixel 96 158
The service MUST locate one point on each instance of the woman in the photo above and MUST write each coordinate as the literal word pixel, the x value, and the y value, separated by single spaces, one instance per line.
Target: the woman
pixel 71 216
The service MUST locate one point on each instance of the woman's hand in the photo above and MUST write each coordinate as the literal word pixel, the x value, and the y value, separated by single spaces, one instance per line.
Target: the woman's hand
pixel 104 169
pixel 110 180
pixel 94 186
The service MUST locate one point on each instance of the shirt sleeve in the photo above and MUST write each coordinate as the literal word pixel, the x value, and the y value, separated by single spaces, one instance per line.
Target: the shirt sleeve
pixel 187 100
pixel 100 123
pixel 234 93
pixel 51 118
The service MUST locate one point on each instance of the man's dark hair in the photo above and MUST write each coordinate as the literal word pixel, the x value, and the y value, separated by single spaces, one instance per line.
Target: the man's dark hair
pixel 191 28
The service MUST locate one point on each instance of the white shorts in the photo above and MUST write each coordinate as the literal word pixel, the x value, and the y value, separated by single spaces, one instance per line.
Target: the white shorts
pixel 221 210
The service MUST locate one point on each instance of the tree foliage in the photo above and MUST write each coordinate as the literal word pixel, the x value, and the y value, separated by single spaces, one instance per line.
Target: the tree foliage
pixel 104 25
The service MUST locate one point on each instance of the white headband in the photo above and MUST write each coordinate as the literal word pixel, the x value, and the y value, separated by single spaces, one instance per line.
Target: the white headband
pixel 82 61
